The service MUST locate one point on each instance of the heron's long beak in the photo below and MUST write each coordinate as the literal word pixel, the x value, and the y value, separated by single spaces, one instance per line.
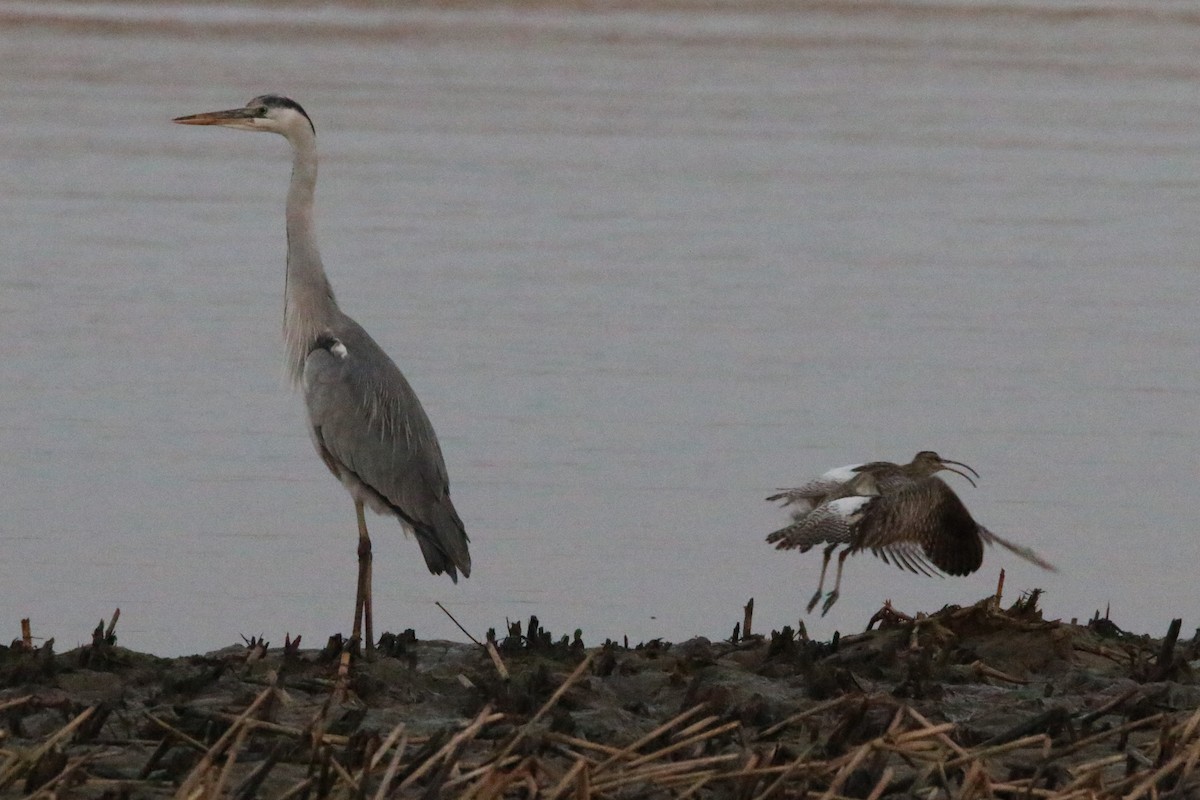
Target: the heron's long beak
pixel 960 472
pixel 234 117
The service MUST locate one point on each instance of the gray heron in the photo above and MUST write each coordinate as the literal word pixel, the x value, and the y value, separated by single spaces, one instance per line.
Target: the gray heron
pixel 901 513
pixel 365 420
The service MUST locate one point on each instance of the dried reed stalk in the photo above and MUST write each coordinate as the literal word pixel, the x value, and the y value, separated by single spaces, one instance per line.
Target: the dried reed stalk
pixel 1088 741
pixel 15 702
pixel 584 744
pixel 524 730
pixel 821 708
pixel 661 773
pixel 920 719
pixel 564 784
pixel 881 785
pixel 651 736
pixel 483 718
pixel 695 726
pixel 797 764
pixel 695 787
pixel 200 771
pixel 335 739
pixel 1152 781
pixel 178 735
pixel 393 736
pixel 844 773
pixel 680 745
pixel 994 750
pixel 19 763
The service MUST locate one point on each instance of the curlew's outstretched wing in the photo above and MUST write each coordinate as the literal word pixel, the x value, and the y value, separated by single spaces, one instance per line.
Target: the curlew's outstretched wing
pixel 909 556
pixel 801 497
pixel 371 431
pixel 810 495
pixel 829 523
pixel 924 522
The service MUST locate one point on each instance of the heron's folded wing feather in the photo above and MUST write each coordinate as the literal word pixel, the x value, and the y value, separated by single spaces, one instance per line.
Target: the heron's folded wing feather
pixel 371 423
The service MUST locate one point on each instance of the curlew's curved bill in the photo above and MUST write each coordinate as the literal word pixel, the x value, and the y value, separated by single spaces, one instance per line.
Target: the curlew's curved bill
pixel 960 472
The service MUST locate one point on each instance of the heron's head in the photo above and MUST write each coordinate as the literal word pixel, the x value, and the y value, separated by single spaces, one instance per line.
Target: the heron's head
pixel 929 462
pixel 271 113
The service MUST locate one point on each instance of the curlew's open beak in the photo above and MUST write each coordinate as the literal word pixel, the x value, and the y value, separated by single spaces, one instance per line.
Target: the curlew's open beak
pixel 960 472
pixel 233 118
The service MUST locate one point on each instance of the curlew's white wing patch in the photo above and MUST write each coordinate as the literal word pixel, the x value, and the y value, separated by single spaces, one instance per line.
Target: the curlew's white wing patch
pixel 841 474
pixel 848 508
pixel 811 494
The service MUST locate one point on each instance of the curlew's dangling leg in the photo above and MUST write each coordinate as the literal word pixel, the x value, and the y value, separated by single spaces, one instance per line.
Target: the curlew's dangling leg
pixel 816 598
pixel 837 583
pixel 362 602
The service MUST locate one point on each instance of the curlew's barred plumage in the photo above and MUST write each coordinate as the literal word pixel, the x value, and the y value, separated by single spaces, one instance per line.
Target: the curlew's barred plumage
pixel 901 513
pixel 837 482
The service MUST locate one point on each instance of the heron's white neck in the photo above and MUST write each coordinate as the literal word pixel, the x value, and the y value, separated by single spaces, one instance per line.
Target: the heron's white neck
pixel 308 303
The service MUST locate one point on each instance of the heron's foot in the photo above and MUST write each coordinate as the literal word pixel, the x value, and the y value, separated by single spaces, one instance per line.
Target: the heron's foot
pixel 368 652
pixel 830 599
pixel 359 648
pixel 341 687
pixel 816 598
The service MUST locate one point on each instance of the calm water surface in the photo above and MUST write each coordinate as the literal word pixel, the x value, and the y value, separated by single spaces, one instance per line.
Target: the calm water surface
pixel 641 266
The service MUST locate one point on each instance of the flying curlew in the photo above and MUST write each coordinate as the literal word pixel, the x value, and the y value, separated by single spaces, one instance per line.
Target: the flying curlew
pixel 831 526
pixel 900 512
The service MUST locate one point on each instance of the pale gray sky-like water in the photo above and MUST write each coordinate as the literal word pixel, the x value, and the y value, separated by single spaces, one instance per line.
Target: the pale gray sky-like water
pixel 642 267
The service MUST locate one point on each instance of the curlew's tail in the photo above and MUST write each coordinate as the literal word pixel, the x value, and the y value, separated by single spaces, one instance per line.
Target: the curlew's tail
pixel 784 539
pixel 1026 553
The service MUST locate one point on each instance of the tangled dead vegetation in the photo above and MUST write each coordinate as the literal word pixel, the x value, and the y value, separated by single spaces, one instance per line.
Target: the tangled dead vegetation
pixel 968 702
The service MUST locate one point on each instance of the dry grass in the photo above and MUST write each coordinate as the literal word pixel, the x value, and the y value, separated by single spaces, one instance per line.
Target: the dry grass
pixel 705 758
pixel 827 750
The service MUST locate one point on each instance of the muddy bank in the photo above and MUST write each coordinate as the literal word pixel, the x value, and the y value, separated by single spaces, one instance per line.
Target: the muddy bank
pixel 966 702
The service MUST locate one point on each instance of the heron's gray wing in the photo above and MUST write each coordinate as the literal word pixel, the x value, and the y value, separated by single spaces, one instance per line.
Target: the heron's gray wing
pixel 924 513
pixel 370 428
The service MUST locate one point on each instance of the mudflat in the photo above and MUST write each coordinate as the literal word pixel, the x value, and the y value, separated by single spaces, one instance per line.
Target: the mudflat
pixel 976 701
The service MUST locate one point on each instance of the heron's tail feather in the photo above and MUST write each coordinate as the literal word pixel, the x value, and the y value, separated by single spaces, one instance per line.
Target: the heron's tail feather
pixel 1026 553
pixel 444 543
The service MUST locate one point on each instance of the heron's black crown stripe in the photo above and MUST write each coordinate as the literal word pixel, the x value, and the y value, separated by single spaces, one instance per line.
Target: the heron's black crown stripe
pixel 279 101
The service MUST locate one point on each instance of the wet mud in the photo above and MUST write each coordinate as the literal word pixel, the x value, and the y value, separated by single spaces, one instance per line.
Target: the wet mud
pixel 977 701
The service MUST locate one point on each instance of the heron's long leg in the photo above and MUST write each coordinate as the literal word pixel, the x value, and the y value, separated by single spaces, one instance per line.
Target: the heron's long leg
pixel 837 583
pixel 362 603
pixel 821 584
